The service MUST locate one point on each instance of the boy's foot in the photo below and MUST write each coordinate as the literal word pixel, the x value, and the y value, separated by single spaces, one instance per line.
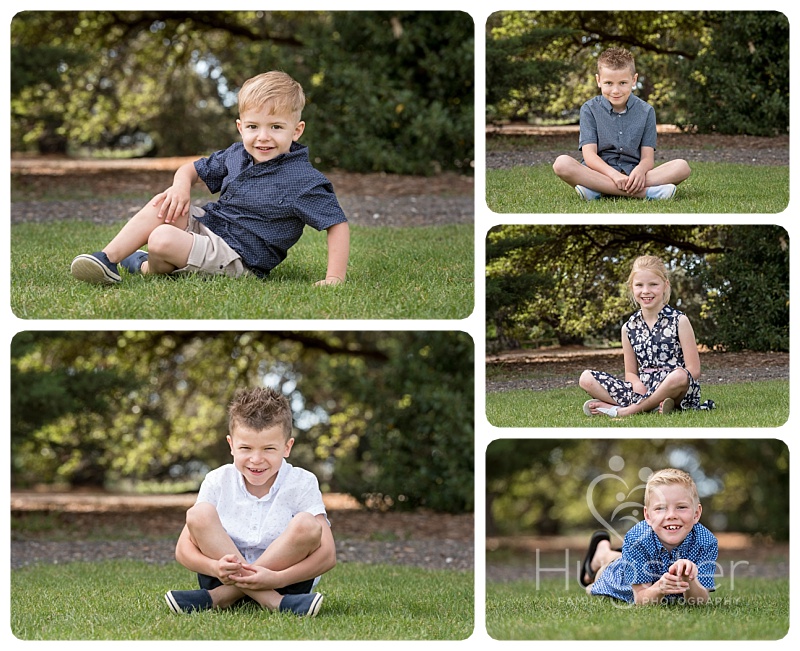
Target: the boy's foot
pixel 588 574
pixel 666 191
pixel 587 194
pixel 304 605
pixel 182 602
pixel 95 268
pixel 133 263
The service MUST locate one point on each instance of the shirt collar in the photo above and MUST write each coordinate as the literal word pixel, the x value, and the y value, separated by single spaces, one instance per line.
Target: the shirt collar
pixel 610 109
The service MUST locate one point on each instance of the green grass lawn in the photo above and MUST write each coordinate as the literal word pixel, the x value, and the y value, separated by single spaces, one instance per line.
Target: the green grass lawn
pixel 395 273
pixel 124 600
pixel 712 188
pixel 757 609
pixel 749 404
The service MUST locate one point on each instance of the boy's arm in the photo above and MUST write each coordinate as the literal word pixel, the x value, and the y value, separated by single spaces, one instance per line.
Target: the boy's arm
pixel 338 254
pixel 647 161
pixel 189 555
pixel 175 200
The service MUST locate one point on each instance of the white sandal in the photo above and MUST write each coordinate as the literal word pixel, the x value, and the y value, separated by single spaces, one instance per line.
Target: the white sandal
pixel 608 411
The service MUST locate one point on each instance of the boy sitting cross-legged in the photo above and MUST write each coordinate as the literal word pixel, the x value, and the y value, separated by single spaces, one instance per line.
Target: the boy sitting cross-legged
pixel 259 527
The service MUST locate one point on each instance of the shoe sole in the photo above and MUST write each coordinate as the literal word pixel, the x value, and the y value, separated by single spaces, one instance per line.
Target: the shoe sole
pixel 173 605
pixel 90 270
pixel 315 606
pixel 667 405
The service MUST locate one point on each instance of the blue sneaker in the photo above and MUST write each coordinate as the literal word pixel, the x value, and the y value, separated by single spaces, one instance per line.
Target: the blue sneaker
pixel 95 268
pixel 183 602
pixel 133 263
pixel 587 194
pixel 666 191
pixel 303 605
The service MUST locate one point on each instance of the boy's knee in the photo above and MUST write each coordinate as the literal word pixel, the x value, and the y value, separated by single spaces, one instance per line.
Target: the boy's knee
pixel 200 514
pixel 161 239
pixel 562 164
pixel 306 527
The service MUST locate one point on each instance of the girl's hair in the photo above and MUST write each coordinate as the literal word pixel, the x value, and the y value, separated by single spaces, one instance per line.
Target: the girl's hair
pixel 259 409
pixel 274 89
pixel 616 58
pixel 668 477
pixel 653 264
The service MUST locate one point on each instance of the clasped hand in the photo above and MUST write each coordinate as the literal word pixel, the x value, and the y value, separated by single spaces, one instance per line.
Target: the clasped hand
pixel 676 579
pixel 232 571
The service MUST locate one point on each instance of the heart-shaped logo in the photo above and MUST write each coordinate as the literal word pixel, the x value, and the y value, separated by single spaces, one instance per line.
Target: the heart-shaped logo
pixel 624 514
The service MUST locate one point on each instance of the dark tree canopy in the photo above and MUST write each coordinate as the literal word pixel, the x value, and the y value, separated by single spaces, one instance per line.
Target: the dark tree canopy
pixel 387 91
pixel 566 284
pixel 387 417
pixel 714 71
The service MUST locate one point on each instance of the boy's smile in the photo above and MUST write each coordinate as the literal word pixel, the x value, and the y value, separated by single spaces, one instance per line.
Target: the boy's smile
pixel 616 85
pixel 267 134
pixel 258 455
pixel 672 513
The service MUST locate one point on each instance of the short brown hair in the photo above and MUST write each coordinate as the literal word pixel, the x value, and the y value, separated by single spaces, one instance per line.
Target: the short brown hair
pixel 274 88
pixel 260 408
pixel 669 476
pixel 616 58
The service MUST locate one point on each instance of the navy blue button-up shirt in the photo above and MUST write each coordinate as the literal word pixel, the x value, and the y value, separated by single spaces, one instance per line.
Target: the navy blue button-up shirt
pixel 619 136
pixel 262 208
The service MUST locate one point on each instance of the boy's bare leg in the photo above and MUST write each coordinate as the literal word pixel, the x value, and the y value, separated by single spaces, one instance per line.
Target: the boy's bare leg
pixel 603 556
pixel 573 173
pixel 298 540
pixel 171 248
pixel 672 171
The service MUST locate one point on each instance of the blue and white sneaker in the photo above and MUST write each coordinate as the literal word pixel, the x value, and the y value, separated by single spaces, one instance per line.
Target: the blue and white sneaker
pixel 303 605
pixel 587 194
pixel 95 268
pixel 666 191
pixel 183 602
pixel 133 263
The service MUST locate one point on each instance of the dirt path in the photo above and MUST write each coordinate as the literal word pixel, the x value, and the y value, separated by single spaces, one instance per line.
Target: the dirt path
pixel 89 526
pixel 367 199
pixel 558 368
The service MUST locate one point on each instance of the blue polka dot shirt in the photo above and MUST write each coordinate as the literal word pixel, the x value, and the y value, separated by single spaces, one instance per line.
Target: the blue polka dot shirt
pixel 262 208
pixel 644 560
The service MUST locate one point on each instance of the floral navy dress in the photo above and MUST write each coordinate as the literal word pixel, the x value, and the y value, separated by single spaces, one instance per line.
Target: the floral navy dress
pixel 658 353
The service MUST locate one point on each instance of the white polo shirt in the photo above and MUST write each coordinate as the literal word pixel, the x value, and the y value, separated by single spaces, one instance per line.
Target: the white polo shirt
pixel 254 523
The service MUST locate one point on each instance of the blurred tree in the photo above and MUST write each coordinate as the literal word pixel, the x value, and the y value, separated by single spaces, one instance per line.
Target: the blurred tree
pixel 546 487
pixel 716 71
pixel 387 413
pixel 566 284
pixel 387 91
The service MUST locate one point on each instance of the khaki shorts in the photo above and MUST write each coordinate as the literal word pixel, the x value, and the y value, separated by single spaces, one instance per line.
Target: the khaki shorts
pixel 210 254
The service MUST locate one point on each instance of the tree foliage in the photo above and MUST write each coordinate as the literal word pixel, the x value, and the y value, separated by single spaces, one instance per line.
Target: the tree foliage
pixel 384 416
pixel 566 284
pixel 557 487
pixel 726 71
pixel 387 91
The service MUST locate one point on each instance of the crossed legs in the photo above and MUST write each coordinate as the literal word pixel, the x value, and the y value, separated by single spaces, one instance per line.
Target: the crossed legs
pixel 674 386
pixel 302 537
pixel 168 244
pixel 574 173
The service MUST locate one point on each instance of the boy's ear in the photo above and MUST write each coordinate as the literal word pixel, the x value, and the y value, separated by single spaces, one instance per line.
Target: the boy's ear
pixel 298 130
pixel 597 80
pixel 230 442
pixel 239 125
pixel 288 447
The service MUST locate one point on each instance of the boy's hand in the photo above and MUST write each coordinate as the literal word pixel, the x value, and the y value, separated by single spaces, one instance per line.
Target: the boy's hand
pixel 671 584
pixel 636 181
pixel 172 203
pixel 255 577
pixel 684 570
pixel 330 280
pixel 227 567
